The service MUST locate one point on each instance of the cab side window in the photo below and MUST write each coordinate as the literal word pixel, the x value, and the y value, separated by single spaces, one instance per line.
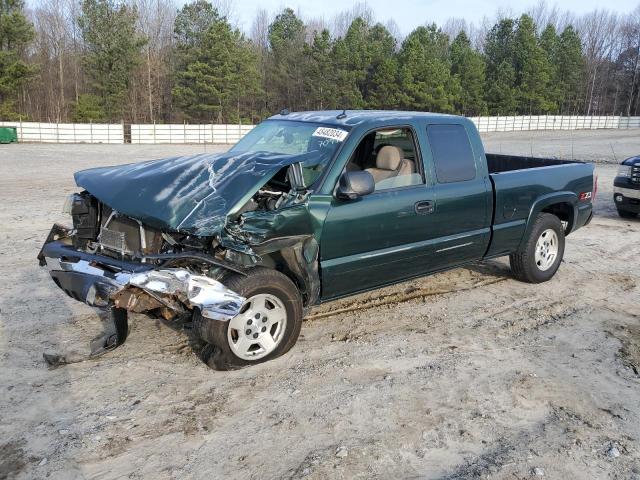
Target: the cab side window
pixel 390 155
pixel 452 153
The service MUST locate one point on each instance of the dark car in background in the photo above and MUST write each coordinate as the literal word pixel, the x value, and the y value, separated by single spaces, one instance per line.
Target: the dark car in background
pixel 626 188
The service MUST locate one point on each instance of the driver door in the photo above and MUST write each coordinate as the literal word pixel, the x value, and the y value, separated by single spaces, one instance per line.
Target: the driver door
pixel 379 238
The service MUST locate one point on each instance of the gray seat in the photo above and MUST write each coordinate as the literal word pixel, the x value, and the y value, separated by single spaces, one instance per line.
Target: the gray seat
pixel 390 162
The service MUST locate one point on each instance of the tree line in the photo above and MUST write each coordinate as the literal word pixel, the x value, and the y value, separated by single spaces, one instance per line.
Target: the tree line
pixel 147 61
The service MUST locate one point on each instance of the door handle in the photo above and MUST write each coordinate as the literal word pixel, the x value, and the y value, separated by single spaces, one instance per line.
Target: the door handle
pixel 424 207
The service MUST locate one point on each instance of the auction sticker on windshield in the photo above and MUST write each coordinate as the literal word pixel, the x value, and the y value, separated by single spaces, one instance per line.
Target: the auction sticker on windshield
pixel 332 133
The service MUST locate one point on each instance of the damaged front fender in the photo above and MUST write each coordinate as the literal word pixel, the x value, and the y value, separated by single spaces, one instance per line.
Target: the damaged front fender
pixel 169 292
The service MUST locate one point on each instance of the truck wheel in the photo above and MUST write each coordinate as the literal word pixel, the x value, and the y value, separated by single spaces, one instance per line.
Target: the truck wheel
pixel 268 324
pixel 538 260
pixel 625 214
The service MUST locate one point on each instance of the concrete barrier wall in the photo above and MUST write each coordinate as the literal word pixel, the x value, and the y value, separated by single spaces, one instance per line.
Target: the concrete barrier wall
pixel 184 133
pixel 553 122
pixel 68 132
pixel 228 134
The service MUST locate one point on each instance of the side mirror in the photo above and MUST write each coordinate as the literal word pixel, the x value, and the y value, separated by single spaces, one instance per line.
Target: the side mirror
pixel 353 185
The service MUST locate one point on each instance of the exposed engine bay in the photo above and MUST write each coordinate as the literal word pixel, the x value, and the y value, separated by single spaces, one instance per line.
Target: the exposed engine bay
pixel 117 263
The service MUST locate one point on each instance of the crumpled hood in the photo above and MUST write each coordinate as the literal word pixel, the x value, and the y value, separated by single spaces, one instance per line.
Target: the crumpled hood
pixel 191 194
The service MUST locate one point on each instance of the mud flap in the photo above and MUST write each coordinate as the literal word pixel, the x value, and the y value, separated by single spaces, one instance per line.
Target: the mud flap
pixel 116 329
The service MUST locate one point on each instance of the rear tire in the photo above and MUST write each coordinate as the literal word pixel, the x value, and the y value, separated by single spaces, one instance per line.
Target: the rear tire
pixel 267 327
pixel 626 214
pixel 539 258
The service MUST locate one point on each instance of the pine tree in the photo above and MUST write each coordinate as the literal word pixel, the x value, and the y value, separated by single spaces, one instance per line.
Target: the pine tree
pixel 112 51
pixel 320 80
pixel 16 32
pixel 468 67
pixel 217 70
pixel 570 71
pixel 380 89
pixel 533 71
pixel 351 60
pixel 424 71
pixel 500 73
pixel 285 76
pixel 501 95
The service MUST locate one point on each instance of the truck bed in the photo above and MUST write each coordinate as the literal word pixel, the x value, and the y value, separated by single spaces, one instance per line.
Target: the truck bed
pixel 521 186
pixel 507 163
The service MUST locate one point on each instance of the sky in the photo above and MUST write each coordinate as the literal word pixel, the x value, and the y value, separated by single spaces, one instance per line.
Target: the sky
pixel 409 14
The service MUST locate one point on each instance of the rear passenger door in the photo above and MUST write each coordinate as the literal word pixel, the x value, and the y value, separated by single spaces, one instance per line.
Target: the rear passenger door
pixel 463 196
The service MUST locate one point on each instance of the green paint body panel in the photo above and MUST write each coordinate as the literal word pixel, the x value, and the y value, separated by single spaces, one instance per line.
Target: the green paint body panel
pixel 8 135
pixel 377 239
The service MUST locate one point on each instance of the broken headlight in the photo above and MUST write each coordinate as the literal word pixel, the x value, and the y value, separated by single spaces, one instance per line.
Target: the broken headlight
pixel 67 206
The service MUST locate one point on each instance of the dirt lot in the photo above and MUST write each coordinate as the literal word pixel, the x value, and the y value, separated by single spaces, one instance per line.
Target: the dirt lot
pixel 465 374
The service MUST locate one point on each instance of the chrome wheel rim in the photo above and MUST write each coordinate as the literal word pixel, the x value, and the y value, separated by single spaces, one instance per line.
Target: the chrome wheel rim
pixel 259 327
pixel 546 249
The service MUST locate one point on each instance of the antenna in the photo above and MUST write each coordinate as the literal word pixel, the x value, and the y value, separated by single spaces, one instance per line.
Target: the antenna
pixel 342 115
pixel 615 159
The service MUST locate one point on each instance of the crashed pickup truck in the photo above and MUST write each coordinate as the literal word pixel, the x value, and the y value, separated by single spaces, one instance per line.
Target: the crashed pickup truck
pixel 307 208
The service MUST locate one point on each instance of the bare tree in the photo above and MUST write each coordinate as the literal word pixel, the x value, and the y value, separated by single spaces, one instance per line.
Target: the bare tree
pixel 453 26
pixel 260 29
pixel 599 31
pixel 342 20
pixel 58 55
pixel 155 21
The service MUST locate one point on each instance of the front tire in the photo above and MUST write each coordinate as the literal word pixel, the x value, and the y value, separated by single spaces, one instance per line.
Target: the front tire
pixel 539 258
pixel 267 327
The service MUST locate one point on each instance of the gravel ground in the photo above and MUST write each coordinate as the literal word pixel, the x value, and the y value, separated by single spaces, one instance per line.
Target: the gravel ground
pixel 465 374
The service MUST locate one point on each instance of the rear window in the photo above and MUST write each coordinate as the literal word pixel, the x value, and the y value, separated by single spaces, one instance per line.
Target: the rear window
pixel 452 153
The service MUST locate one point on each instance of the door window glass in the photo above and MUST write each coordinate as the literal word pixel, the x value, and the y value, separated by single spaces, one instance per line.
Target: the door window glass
pixel 452 153
pixel 390 155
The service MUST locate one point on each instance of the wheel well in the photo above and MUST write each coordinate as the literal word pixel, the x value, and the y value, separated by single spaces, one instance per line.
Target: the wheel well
pixel 564 211
pixel 304 275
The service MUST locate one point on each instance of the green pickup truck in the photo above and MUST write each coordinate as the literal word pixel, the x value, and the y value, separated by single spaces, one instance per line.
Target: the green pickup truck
pixel 307 208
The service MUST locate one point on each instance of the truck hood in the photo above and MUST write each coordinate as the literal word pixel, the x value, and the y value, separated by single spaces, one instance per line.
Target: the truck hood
pixel 192 194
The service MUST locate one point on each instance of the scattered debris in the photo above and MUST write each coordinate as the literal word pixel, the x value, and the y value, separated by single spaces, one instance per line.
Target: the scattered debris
pixel 342 452
pixel 613 452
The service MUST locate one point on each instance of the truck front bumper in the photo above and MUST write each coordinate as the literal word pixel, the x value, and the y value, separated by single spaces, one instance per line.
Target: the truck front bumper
pixel 103 282
pixel 627 199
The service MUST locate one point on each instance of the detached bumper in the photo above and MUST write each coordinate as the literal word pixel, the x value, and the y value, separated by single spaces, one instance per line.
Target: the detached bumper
pixel 103 282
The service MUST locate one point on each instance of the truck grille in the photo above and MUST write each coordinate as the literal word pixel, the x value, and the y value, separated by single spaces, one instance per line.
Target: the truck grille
pixel 635 174
pixel 121 235
pixel 113 240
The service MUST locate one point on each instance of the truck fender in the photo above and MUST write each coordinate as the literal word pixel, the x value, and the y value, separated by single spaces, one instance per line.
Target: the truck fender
pixel 549 200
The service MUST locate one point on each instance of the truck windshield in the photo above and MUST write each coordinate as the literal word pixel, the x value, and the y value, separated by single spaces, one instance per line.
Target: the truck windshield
pixel 316 141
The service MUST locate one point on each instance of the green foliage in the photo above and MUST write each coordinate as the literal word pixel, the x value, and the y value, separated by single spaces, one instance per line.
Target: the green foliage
pixel 468 68
pixel 217 71
pixel 88 108
pixel 533 70
pixel 214 74
pixel 112 51
pixel 500 91
pixel 16 32
pixel 285 76
pixel 320 73
pixel 425 71
pixel 570 70
pixel 500 70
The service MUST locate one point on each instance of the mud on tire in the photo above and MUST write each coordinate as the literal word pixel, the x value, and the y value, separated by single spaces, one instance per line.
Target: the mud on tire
pixel 274 292
pixel 525 266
